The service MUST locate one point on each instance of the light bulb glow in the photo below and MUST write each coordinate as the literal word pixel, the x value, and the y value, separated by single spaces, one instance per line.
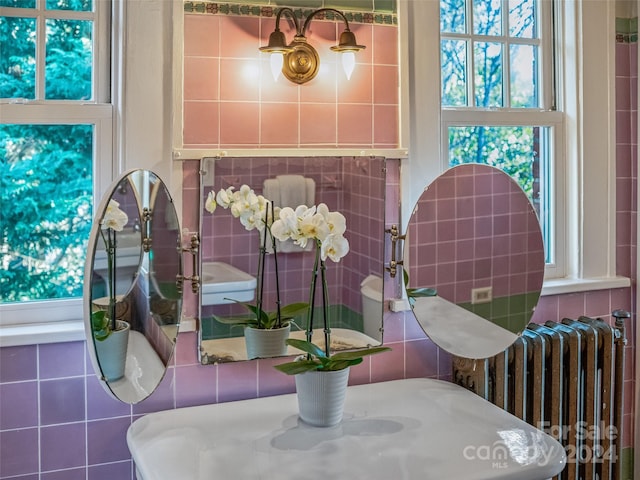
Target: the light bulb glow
pixel 348 63
pixel 276 60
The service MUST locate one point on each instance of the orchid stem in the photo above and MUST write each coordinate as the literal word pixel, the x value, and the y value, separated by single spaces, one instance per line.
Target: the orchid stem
pixel 312 296
pixel 263 250
pixel 111 268
pixel 275 264
pixel 325 309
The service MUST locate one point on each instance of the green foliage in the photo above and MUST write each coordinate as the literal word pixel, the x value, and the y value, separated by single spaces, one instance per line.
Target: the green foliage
pixel 46 171
pixel 68 58
pixel 317 359
pixel 265 320
pixel 413 293
pixel 46 197
pixel 100 325
pixel 510 148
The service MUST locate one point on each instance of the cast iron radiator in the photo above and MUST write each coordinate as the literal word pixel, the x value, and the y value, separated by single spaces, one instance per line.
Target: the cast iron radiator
pixel 566 378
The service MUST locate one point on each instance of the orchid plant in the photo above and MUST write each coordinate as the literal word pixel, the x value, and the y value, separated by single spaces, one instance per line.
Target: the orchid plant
pixel 255 212
pixel 113 220
pixel 326 230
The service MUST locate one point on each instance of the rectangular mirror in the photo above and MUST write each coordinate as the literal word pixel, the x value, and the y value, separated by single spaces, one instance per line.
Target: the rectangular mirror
pixel 353 186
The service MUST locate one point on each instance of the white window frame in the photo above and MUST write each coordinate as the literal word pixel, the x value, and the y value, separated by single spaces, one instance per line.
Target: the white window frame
pixel 140 81
pixel 138 120
pixel 586 55
pixel 552 119
pixel 57 320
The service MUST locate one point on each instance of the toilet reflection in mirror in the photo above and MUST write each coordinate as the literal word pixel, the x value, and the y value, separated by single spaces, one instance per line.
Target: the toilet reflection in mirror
pixel 353 186
pixel 475 238
pixel 132 304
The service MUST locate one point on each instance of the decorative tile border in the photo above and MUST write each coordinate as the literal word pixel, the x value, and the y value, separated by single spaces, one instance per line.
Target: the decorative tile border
pixel 217 8
pixel 627 30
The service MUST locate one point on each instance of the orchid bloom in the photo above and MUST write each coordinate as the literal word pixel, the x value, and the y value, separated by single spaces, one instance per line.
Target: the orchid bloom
pixel 114 218
pixel 317 224
pixel 335 247
pixel 210 205
pixel 244 204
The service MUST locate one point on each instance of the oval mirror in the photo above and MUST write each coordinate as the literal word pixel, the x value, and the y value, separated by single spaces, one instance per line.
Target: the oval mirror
pixel 475 258
pixel 132 304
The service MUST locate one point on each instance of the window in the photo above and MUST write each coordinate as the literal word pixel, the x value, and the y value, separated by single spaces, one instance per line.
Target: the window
pixel 498 106
pixel 581 174
pixel 55 150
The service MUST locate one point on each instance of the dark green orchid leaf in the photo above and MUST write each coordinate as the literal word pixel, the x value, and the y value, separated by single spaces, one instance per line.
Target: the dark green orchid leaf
pixel 421 292
pixel 293 310
pixel 299 366
pixel 100 325
pixel 318 360
pixel 355 354
pixel 238 320
pixel 307 347
pixel 262 319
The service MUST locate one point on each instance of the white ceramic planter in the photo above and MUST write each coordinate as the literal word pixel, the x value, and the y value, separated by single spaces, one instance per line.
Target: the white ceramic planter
pixel 321 396
pixel 112 352
pixel 266 343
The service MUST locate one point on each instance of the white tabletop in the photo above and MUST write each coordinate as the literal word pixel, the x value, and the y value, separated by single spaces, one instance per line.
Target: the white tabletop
pixel 403 429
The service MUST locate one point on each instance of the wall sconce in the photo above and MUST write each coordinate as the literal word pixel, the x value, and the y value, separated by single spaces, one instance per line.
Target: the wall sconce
pixel 299 61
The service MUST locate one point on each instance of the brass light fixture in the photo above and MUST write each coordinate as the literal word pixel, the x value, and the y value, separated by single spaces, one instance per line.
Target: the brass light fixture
pixel 298 60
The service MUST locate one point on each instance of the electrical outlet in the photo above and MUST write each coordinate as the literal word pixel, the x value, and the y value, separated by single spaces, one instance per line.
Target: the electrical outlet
pixel 481 295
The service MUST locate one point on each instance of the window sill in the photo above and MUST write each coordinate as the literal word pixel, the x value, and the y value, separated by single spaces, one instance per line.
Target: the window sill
pixel 35 333
pixel 57 332
pixel 574 285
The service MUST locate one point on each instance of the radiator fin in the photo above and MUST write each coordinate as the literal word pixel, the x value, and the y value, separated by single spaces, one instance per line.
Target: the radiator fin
pixel 565 378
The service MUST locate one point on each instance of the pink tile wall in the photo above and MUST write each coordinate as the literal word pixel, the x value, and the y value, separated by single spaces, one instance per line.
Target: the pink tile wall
pixel 231 99
pixel 626 207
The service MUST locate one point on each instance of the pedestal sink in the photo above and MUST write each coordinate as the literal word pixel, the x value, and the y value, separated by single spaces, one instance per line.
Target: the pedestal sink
pixel 402 429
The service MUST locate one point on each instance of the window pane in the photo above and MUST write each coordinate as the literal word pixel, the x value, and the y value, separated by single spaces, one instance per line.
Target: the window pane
pixel 17 57
pixel 68 68
pixel 452 16
pixel 454 73
pixel 520 151
pixel 46 196
pixel 18 3
pixel 522 18
pixel 524 85
pixel 76 5
pixel 487 17
pixel 488 74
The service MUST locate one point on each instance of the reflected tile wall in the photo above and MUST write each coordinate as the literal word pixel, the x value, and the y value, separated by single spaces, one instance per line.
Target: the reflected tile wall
pixel 352 186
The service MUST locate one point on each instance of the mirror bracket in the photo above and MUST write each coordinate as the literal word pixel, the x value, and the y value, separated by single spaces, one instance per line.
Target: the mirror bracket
pixel 394 233
pixel 147 214
pixel 194 246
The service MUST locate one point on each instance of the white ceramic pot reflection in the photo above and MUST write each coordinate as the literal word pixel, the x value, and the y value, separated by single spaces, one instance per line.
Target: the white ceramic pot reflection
pixel 112 352
pixel 266 343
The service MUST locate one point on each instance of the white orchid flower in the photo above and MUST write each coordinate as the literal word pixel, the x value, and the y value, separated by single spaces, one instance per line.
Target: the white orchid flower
pixel 114 218
pixel 312 227
pixel 210 204
pixel 334 247
pixel 286 226
pixel 224 197
pixel 250 222
pixel 337 223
